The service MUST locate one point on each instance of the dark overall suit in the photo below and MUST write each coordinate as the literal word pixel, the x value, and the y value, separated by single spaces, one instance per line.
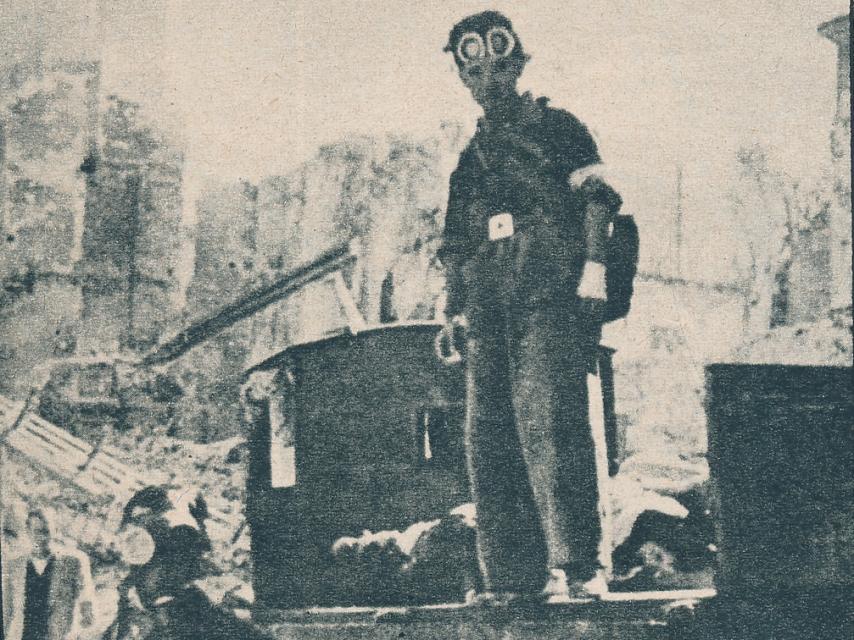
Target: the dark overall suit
pixel 531 343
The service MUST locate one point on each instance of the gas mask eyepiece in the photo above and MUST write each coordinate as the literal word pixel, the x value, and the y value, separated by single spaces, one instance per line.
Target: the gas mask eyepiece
pixel 499 43
pixel 135 545
pixel 471 48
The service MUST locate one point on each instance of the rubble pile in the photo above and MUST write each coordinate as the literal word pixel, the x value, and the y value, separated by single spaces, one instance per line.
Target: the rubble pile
pixel 824 342
pixel 656 541
pixel 90 523
pixel 427 563
pixel 216 471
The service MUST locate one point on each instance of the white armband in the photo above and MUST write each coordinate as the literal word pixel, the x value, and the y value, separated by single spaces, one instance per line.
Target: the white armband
pixel 577 178
pixel 592 283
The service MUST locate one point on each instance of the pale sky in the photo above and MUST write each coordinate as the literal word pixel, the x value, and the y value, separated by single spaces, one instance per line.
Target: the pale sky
pixel 253 88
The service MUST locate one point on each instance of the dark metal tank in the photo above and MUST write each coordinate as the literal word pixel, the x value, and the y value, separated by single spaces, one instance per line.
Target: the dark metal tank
pixel 376 424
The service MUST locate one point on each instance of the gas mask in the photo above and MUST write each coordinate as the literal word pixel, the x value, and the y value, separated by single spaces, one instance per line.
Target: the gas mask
pixel 488 61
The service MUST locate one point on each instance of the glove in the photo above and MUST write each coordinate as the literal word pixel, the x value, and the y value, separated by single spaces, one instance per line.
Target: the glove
pixel 592 291
pixel 592 283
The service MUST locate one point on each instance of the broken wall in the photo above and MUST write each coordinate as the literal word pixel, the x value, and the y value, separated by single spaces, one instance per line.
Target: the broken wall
pixel 132 238
pixel 47 114
pixel 388 197
pixel 224 269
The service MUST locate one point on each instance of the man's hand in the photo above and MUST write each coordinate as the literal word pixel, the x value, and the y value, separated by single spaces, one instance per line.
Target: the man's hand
pixel 451 340
pixel 199 510
pixel 593 291
pixel 592 283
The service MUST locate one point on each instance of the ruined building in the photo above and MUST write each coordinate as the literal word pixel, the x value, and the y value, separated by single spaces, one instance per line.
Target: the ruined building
pixel 48 120
pixel 387 195
pixel 132 234
pixel 837 31
pixel 816 278
pixel 224 269
pixel 811 317
pixel 90 214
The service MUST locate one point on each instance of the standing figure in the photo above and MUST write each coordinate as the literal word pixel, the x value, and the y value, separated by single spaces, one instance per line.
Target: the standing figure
pixel 49 590
pixel 524 247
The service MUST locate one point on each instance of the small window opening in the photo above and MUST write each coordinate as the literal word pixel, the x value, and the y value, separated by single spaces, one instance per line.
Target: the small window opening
pixel 435 442
pixel 428 450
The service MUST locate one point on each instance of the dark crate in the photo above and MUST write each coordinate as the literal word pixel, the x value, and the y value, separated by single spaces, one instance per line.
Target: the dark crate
pixel 781 454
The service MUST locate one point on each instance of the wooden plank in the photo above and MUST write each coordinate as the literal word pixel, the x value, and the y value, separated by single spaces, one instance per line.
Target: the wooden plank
pixel 48 435
pixel 37 444
pixel 103 477
pixel 74 456
pixel 25 445
pixel 10 414
pixel 29 441
pixel 108 483
pixel 112 450
pixel 110 460
pixel 117 476
pixel 115 467
pixel 65 455
pixel 599 618
pixel 353 613
pixel 62 434
pixel 22 458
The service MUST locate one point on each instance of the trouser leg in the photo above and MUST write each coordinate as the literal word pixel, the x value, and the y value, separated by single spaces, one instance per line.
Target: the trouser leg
pixel 550 357
pixel 511 550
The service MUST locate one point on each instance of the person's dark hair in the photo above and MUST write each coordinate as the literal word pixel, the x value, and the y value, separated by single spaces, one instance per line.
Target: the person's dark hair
pixel 151 498
pixel 480 23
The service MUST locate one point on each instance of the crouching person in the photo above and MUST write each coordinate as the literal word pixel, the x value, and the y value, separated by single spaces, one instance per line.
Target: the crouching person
pixel 164 544
pixel 47 593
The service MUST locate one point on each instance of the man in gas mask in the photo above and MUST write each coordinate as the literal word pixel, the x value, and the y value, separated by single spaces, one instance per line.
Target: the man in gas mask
pixel 525 243
pixel 163 541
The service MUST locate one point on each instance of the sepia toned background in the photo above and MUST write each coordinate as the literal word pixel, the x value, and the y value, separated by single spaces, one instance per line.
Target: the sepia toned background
pixel 159 159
